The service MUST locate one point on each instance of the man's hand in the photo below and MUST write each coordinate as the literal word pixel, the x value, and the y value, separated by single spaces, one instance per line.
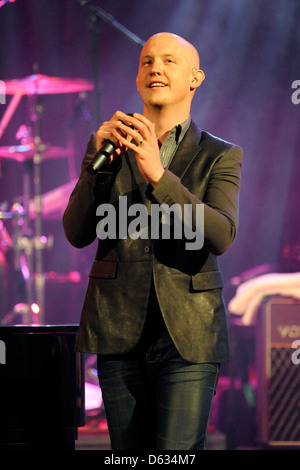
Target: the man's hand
pixel 145 146
pixel 114 130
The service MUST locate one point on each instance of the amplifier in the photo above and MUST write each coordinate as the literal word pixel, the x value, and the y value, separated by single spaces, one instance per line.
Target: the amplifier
pixel 278 367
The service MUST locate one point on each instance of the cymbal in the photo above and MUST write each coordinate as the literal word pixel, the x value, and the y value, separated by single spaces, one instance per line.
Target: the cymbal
pixel 43 85
pixel 23 153
pixel 53 202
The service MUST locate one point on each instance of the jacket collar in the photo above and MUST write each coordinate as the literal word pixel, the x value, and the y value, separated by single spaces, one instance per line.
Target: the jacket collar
pixel 187 151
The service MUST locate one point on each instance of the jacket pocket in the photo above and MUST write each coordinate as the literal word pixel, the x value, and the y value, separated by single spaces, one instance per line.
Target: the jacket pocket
pixel 207 281
pixel 104 269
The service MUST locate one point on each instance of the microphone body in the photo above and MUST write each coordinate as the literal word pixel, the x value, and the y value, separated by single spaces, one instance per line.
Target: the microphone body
pixel 101 157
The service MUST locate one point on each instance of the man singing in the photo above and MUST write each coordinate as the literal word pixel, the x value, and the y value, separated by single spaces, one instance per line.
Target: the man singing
pixel 154 312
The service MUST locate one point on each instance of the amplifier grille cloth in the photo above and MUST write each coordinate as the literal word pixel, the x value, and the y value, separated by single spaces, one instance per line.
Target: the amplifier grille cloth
pixel 284 397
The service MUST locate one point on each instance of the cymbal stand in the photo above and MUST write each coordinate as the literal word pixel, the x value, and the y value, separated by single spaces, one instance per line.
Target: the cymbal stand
pixel 39 240
pixel 30 241
pixel 23 253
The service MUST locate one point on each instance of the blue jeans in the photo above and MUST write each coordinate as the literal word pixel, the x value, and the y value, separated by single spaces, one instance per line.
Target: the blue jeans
pixel 155 400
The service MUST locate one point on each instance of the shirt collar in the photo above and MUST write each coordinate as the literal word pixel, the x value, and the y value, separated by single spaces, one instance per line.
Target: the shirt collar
pixel 177 132
pixel 181 129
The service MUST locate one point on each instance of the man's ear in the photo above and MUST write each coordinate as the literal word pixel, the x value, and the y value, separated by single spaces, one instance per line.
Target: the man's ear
pixel 197 78
pixel 137 83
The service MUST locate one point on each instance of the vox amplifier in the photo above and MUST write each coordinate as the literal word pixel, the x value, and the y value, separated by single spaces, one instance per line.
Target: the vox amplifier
pixel 278 366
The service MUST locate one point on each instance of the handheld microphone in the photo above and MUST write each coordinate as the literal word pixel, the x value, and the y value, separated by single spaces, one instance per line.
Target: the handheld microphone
pixel 103 155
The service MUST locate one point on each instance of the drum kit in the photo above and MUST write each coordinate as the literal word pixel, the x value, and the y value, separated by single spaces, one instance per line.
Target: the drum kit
pixel 26 242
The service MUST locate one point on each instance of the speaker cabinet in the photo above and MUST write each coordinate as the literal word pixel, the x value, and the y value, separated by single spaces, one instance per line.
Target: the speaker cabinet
pixel 278 366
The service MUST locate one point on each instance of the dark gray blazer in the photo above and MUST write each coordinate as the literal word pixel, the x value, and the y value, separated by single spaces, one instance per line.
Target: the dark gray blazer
pixel 188 283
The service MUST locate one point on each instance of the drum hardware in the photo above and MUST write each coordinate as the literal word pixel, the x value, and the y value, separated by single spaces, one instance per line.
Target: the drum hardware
pixel 24 246
pixel 25 152
pixel 5 245
pixel 29 314
pixel 53 202
pixel 5 215
pixel 38 84
pixel 29 242
pixel 54 277
pixel 29 245
pixel 5 239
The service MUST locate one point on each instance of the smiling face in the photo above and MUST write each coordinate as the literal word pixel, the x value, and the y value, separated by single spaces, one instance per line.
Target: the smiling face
pixel 168 73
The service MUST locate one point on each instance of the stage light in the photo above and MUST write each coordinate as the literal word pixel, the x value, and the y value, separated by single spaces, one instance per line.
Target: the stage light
pixel 35 308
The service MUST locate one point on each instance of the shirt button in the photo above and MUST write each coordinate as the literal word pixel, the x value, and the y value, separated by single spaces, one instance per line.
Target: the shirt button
pixel 147 249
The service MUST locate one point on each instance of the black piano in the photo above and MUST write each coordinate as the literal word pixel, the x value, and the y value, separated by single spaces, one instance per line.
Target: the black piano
pixel 41 387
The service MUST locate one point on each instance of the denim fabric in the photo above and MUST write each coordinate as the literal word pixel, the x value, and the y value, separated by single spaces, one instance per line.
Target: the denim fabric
pixel 155 400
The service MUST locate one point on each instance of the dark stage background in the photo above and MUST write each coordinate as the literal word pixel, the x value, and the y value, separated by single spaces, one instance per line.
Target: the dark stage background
pixel 249 50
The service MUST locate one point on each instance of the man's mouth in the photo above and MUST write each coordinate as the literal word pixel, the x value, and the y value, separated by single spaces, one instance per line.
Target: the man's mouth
pixel 157 85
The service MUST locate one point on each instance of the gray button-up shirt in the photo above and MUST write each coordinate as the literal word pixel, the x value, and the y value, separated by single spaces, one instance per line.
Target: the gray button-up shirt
pixel 172 142
pixel 168 150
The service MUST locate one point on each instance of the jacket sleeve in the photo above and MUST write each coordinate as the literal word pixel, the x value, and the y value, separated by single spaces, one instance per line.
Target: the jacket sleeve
pixel 79 219
pixel 220 199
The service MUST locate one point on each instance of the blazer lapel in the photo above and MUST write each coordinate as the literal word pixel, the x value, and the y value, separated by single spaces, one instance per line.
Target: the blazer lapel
pixel 187 151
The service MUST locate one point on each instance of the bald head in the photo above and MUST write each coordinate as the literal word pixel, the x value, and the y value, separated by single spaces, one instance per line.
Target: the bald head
pixel 173 39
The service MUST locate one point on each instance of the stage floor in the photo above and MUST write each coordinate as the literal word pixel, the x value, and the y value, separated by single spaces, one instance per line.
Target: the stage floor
pixel 97 438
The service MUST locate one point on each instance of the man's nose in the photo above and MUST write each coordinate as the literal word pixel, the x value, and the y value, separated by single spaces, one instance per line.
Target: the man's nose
pixel 156 68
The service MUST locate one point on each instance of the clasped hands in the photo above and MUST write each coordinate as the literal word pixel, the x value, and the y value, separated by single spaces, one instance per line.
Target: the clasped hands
pixel 136 133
